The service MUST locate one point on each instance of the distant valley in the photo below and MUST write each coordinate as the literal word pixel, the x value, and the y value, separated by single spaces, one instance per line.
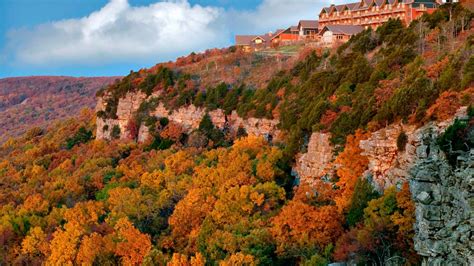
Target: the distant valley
pixel 38 101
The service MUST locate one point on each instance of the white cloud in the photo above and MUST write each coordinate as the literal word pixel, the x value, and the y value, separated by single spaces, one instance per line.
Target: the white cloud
pixel 120 32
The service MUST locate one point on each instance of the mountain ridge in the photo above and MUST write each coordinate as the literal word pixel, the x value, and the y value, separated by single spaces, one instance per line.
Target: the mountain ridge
pixel 38 100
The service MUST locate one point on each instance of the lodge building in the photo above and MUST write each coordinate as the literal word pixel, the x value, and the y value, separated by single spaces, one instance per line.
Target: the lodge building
pixel 373 13
pixel 338 23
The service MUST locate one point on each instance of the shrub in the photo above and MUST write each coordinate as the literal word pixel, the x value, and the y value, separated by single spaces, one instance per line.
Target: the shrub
pixel 164 121
pixel 159 144
pixel 207 128
pixel 34 132
pixel 206 125
pixel 241 132
pixel 402 141
pixel 456 139
pixel 470 110
pixel 115 134
pixel 82 136
pixel 101 114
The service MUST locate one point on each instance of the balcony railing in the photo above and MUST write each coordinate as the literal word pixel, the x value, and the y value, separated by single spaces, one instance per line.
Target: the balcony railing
pixel 363 15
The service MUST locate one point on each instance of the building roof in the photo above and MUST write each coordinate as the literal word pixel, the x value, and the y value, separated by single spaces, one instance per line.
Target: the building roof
pixel 326 9
pixel 352 6
pixel 280 31
pixel 379 2
pixel 340 8
pixel 246 39
pixel 267 37
pixel 343 29
pixel 309 24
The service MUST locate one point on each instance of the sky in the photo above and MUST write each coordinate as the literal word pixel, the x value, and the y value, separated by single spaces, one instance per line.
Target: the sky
pixel 112 37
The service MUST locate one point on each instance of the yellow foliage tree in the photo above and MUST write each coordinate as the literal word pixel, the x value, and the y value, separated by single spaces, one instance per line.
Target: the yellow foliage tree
pixel 239 259
pixel 64 245
pixel 35 243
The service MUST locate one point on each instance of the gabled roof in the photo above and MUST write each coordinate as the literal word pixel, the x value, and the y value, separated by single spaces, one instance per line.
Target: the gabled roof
pixel 277 33
pixel 308 24
pixel 261 37
pixel 247 39
pixel 339 8
pixel 326 10
pixel 352 6
pixel 288 30
pixel 379 2
pixel 367 2
pixel 343 29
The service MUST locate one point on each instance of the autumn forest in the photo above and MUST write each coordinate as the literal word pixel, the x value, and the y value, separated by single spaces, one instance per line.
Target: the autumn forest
pixel 209 197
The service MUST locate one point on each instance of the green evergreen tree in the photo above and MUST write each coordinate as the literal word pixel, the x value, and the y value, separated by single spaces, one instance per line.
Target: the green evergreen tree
pixel 363 193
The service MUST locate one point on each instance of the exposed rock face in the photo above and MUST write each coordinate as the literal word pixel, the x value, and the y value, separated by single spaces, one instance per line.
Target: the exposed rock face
pixel 390 166
pixel 126 108
pixel 255 126
pixel 387 164
pixel 443 197
pixel 316 161
pixel 444 200
pixel 188 117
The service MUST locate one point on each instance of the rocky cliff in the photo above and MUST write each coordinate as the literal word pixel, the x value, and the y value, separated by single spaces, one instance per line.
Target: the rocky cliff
pixel 389 164
pixel 188 117
pixel 443 196
pixel 444 200
pixel 316 162
pixel 391 157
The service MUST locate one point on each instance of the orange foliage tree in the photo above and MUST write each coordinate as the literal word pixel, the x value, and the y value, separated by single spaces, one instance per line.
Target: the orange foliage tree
pixel 352 166
pixel 301 229
pixel 131 244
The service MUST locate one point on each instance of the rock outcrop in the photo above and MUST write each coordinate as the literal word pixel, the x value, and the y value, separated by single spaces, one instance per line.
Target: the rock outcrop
pixel 389 164
pixel 127 106
pixel 444 200
pixel 316 162
pixel 188 117
pixel 443 196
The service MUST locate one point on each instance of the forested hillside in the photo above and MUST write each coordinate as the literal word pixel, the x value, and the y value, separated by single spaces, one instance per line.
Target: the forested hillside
pixel 38 101
pixel 210 196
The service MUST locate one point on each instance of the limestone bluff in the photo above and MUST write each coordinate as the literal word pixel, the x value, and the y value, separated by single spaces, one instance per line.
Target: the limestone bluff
pixel 441 193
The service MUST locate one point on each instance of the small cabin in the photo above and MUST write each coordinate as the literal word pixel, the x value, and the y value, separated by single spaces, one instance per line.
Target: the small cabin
pixel 252 42
pixel 308 29
pixel 333 34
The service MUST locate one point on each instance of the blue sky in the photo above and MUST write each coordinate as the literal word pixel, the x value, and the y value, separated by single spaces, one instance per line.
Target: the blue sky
pixel 111 37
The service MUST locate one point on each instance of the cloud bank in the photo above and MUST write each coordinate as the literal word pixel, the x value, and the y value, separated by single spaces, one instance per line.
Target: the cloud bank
pixel 119 32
